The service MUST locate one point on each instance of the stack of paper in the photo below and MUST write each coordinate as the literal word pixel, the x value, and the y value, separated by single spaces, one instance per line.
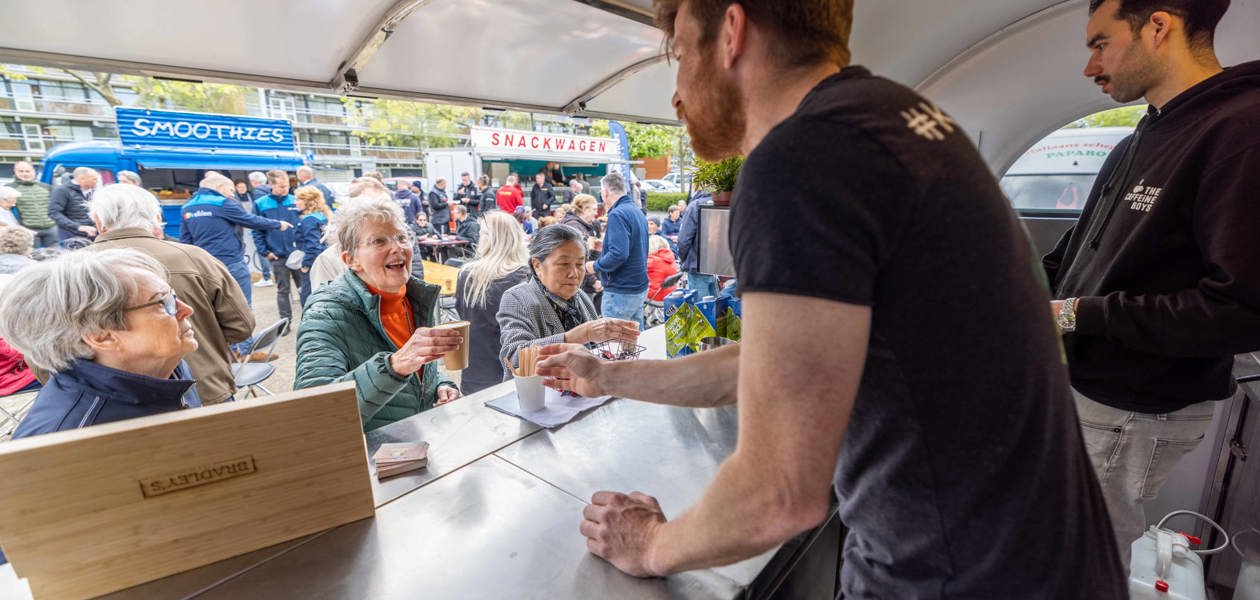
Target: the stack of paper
pixel 393 459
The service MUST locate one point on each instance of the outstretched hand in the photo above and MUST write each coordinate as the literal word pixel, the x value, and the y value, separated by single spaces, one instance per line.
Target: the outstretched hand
pixel 425 346
pixel 571 368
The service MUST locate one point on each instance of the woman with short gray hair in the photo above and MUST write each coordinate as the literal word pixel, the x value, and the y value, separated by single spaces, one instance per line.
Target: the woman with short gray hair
pixel 551 307
pixel 15 248
pixel 373 324
pixel 112 331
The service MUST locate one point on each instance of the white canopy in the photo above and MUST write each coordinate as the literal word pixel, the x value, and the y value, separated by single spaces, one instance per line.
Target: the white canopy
pixel 1008 70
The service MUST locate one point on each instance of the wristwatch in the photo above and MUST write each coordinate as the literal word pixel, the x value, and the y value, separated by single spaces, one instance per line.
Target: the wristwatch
pixel 1066 318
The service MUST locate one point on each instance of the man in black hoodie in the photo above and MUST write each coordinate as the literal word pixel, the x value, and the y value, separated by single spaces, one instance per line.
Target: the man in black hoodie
pixel 1158 285
pixel 541 196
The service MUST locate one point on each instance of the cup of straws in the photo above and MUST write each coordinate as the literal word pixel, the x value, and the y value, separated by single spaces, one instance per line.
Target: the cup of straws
pixel 529 387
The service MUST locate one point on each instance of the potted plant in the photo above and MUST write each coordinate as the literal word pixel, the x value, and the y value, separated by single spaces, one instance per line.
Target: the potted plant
pixel 718 178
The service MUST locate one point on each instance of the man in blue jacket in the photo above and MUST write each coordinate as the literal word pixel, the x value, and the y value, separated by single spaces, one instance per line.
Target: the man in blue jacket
pixel 209 221
pixel 688 243
pixel 275 246
pixel 622 266
pixel 306 176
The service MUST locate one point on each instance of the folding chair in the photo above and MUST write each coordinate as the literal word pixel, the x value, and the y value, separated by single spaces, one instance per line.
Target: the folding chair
pixel 654 310
pixel 250 375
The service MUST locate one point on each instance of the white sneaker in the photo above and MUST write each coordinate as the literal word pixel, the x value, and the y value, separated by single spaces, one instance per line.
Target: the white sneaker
pixel 265 283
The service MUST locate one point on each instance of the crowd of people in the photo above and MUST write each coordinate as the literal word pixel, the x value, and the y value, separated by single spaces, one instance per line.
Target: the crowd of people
pixel 366 314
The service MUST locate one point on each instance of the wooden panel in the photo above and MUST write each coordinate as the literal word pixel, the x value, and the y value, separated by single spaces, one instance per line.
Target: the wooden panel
pixel 90 511
pixel 443 275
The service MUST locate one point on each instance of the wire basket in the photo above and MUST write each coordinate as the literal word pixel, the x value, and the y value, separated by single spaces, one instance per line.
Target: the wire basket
pixel 617 350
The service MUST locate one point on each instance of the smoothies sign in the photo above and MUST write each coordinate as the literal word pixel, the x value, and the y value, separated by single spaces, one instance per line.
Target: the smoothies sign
pixel 159 128
pixel 532 144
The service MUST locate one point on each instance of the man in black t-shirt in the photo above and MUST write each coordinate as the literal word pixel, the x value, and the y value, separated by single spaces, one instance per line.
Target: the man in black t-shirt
pixel 895 345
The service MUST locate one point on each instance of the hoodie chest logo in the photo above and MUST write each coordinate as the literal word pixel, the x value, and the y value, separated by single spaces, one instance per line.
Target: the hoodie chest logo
pixel 1142 198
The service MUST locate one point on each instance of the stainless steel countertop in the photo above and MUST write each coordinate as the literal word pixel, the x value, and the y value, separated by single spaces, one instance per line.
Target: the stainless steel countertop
pixel 496 513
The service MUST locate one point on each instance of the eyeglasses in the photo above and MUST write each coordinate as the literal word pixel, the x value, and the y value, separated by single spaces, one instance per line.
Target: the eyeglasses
pixel 169 304
pixel 379 243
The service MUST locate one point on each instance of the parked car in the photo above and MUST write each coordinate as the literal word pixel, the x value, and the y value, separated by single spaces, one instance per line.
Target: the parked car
pixel 398 183
pixel 660 185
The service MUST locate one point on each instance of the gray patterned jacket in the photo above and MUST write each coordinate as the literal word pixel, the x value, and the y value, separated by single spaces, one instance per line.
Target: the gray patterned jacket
pixel 526 316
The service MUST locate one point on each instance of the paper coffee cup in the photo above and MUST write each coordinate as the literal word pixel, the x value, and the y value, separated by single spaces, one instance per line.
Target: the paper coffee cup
pixel 530 393
pixel 456 360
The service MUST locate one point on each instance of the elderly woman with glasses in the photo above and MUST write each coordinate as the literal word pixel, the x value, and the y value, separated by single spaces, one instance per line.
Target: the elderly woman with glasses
pixel 551 307
pixel 110 329
pixel 373 324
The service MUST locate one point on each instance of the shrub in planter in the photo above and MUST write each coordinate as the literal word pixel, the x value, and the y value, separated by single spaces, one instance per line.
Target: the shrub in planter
pixel 719 178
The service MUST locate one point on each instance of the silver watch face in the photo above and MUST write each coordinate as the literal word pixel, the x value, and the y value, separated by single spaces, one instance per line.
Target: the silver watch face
pixel 1066 319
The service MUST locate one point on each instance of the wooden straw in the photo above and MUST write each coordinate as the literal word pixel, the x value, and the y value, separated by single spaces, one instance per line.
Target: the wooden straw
pixel 509 366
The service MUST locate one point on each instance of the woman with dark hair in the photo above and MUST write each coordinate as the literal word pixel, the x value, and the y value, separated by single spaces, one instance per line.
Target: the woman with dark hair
pixel 551 308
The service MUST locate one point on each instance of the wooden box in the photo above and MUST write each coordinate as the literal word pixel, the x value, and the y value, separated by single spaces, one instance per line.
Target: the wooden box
pixel 95 510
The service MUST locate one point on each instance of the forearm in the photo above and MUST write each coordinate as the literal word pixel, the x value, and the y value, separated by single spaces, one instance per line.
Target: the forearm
pixel 743 513
pixel 1188 323
pixel 701 380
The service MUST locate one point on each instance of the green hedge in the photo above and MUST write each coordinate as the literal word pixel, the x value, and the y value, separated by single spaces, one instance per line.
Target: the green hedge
pixel 661 201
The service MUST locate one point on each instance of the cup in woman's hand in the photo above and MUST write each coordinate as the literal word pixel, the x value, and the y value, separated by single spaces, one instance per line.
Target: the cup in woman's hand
pixel 456 360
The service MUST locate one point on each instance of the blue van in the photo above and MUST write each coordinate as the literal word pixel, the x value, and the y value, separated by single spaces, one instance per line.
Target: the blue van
pixel 172 152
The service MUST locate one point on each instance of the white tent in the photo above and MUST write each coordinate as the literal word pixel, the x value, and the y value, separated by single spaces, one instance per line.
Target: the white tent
pixel 1008 70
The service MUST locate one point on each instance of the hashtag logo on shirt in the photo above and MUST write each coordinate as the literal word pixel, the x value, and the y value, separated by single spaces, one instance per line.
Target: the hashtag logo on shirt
pixel 928 121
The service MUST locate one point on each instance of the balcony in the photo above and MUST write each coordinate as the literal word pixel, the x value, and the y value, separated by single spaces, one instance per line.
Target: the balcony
pixel 16 145
pixel 58 107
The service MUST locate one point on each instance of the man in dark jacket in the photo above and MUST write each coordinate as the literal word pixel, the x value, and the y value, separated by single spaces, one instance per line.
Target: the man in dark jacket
pixel 467 230
pixel 258 189
pixel 410 204
pixel 276 245
pixel 541 196
pixel 468 195
pixel 441 208
pixel 68 207
pixel 32 205
pixel 306 176
pixel 688 247
pixel 1158 284
pixel 210 219
pixel 622 265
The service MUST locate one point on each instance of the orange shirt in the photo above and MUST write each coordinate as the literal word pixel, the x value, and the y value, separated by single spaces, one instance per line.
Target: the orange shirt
pixel 395 315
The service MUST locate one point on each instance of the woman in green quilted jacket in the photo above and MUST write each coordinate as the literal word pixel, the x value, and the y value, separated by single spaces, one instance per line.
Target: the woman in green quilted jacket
pixel 372 324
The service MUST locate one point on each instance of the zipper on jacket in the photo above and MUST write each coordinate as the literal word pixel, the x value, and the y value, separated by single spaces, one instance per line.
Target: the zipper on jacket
pixel 1118 177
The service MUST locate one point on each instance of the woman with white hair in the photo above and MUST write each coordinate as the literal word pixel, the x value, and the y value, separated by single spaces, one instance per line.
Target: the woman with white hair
pixel 374 323
pixel 110 329
pixel 502 262
pixel 8 199
pixel 15 248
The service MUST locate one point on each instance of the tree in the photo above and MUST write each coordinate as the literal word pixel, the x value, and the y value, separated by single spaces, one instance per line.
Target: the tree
pixel 99 83
pixel 410 123
pixel 646 141
pixel 184 95
pixel 1125 116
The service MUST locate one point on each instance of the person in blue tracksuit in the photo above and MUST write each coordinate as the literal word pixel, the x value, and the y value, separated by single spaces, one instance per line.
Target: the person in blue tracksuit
pixel 276 246
pixel 209 222
pixel 310 233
